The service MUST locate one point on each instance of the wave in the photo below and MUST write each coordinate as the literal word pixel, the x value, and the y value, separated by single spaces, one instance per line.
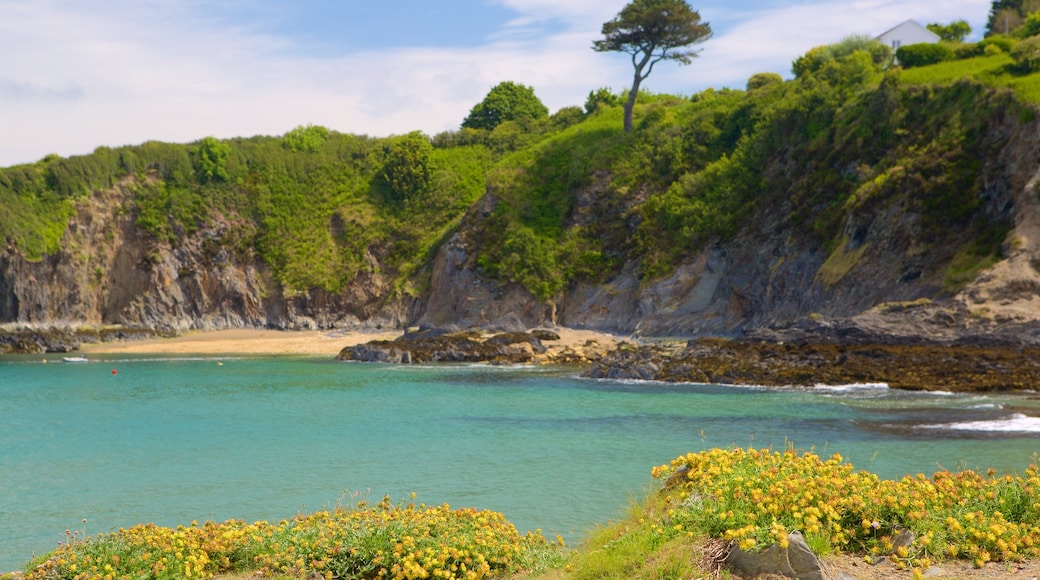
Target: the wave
pixel 1016 423
pixel 851 387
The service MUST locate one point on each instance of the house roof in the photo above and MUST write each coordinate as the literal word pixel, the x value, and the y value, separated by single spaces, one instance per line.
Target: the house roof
pixel 912 23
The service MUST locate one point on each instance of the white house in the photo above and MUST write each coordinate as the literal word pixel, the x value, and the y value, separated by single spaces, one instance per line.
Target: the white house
pixel 909 32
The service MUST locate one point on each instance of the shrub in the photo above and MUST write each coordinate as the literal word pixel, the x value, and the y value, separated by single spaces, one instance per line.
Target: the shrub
pixel 1031 27
pixel 212 158
pixel 308 138
pixel 507 101
pixel 601 97
pixel 756 496
pixel 407 168
pixel 819 56
pixel 764 81
pixel 923 54
pixel 1027 54
pixel 566 117
pixel 1002 42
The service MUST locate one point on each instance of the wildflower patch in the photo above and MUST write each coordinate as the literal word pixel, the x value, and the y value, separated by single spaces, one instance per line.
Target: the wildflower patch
pixel 756 496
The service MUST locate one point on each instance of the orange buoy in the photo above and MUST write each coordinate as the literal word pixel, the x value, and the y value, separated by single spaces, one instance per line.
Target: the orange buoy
pixel 115 372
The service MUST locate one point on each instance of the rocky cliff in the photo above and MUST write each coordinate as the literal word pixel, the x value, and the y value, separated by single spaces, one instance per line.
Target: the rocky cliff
pixel 897 266
pixel 888 273
pixel 110 273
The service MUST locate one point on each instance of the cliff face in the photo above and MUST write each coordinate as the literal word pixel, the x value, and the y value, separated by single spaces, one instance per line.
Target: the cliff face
pixel 110 273
pixel 773 273
pixel 897 264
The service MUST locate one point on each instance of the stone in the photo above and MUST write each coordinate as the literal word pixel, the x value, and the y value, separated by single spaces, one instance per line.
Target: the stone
pixel 796 561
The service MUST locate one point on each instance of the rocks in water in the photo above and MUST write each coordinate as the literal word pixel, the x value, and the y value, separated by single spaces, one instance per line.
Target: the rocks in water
pixel 445 346
pixel 905 366
pixel 62 340
pixel 451 345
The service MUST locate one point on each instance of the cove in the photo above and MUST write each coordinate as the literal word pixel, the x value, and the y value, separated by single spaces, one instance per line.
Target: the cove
pixel 174 439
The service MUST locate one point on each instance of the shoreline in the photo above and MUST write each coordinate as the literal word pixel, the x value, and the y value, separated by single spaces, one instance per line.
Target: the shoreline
pixel 291 342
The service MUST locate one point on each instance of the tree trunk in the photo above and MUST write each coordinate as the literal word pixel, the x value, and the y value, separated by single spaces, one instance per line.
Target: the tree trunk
pixel 630 104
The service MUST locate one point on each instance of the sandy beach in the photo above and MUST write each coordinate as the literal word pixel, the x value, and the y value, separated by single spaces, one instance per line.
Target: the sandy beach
pixel 294 342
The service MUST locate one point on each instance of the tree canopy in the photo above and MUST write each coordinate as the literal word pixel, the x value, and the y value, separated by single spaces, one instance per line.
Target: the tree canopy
pixel 651 31
pixel 955 31
pixel 507 101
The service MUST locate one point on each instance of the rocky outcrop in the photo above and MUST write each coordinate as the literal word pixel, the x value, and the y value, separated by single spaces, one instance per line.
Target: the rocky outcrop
pixel 475 346
pixel 443 346
pixel 930 367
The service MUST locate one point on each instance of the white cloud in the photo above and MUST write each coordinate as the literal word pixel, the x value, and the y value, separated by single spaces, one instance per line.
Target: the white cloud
pixel 96 72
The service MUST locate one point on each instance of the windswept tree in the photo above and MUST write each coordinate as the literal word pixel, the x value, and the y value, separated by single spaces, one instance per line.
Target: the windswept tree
pixel 651 31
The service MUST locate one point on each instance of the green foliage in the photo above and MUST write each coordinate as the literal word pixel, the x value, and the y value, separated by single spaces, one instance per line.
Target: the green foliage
pixel 818 57
pixel 923 54
pixel 601 97
pixel 407 169
pixel 309 138
pixel 1027 54
pixel 566 117
pixel 1002 42
pixel 525 257
pixel 756 497
pixel 760 81
pixel 212 159
pixel 1030 27
pixel 507 101
pixel 955 31
pixel 380 541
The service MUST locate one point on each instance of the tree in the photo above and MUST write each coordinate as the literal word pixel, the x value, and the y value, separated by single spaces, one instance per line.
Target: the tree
pixel 308 138
pixel 213 154
pixel 407 168
pixel 1004 16
pixel 507 101
pixel 651 31
pixel 765 80
pixel 955 31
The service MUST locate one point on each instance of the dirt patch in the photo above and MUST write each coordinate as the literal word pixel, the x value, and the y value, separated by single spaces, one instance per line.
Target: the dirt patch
pixel 847 567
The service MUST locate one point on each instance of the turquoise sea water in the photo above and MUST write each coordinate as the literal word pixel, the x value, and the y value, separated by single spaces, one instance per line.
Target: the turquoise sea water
pixel 170 440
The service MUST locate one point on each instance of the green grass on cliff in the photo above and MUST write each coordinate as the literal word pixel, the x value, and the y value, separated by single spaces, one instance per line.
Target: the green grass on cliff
pixel 997 71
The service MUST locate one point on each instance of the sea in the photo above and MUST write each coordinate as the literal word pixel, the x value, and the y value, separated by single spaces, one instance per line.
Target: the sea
pixel 120 440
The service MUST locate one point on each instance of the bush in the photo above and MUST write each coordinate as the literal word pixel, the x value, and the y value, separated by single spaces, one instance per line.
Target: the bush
pixel 1002 42
pixel 309 138
pixel 1027 54
pixel 507 101
pixel 601 97
pixel 1031 27
pixel 819 56
pixel 407 167
pixel 923 54
pixel 763 81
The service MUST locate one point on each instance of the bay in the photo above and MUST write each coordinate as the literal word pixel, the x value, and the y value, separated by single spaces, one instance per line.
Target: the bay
pixel 174 439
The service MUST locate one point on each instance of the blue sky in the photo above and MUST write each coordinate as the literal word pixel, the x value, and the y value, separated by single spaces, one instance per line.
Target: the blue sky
pixel 77 74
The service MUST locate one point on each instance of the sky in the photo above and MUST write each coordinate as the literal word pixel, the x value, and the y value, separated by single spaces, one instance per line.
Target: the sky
pixel 78 74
